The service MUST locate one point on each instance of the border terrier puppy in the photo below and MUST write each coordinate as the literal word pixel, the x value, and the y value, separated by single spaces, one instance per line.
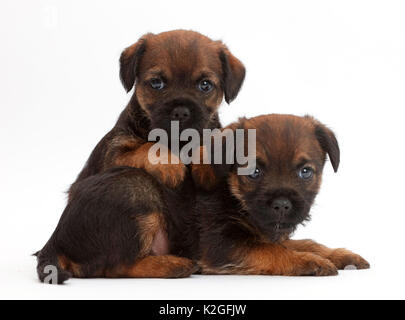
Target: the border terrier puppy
pixel 180 76
pixel 245 227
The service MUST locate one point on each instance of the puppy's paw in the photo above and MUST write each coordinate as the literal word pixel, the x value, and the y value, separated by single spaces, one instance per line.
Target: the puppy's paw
pixel 181 267
pixel 171 175
pixel 203 176
pixel 166 167
pixel 342 258
pixel 309 264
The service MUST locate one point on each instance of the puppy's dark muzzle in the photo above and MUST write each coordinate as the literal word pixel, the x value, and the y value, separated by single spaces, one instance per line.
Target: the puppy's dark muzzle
pixel 286 208
pixel 186 111
pixel 182 109
pixel 277 212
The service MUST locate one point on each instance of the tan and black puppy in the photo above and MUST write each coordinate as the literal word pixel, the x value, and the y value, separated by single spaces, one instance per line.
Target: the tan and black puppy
pixel 246 227
pixel 178 75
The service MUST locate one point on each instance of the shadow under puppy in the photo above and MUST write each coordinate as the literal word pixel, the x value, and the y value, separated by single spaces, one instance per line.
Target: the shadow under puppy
pixel 122 223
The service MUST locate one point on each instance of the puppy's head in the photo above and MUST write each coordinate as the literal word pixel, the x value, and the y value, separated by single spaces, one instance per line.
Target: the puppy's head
pixel 290 156
pixel 180 75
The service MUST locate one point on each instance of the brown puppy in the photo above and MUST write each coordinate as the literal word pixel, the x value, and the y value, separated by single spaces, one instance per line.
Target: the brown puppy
pixel 246 227
pixel 179 75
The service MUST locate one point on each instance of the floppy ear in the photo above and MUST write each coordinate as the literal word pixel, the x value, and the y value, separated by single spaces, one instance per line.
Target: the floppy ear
pixel 129 62
pixel 329 144
pixel 233 74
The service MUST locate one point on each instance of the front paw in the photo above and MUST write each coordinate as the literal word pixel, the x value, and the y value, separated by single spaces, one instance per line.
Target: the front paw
pixel 309 264
pixel 171 172
pixel 181 267
pixel 342 258
pixel 171 175
pixel 203 176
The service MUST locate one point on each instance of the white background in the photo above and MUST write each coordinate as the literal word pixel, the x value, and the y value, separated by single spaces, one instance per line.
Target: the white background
pixel 341 61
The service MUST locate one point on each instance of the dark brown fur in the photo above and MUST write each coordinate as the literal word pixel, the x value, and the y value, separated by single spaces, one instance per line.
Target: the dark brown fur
pixel 123 223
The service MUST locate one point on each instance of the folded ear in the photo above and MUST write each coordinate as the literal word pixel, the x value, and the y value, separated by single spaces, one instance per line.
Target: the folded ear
pixel 129 62
pixel 233 74
pixel 329 143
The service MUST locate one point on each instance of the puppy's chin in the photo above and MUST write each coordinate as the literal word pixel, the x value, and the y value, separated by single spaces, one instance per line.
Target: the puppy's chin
pixel 275 230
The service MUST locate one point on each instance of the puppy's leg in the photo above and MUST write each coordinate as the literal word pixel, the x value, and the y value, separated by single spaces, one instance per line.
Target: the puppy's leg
pixel 339 257
pixel 203 173
pixel 171 174
pixel 167 266
pixel 153 259
pixel 273 259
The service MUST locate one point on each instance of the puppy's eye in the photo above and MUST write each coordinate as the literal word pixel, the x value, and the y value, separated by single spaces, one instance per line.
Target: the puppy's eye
pixel 157 83
pixel 306 173
pixel 205 86
pixel 256 174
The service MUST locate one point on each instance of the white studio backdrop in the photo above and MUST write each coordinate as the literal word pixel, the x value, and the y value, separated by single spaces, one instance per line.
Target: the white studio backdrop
pixel 340 61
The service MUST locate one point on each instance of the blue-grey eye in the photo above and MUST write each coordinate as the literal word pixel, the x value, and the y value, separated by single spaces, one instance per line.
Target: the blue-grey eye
pixel 256 174
pixel 205 86
pixel 157 83
pixel 306 173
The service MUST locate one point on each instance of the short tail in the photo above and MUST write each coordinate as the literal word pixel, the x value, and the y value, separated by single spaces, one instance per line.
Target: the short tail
pixel 48 268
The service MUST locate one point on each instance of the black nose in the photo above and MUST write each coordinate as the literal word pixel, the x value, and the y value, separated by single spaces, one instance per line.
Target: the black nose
pixel 180 113
pixel 281 206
